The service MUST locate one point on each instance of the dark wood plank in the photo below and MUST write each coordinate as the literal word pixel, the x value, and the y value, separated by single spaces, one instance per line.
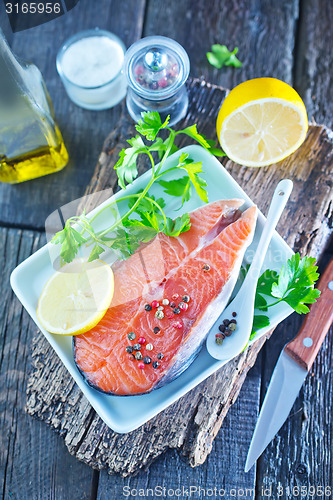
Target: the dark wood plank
pixel 263 31
pixel 314 59
pixel 84 131
pixel 34 462
pixel 223 470
pixel 196 419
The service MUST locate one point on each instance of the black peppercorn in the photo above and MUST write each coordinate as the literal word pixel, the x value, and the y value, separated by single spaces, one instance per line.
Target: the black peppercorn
pixel 148 307
pixel 156 364
pixel 129 349
pixel 137 347
pixel 176 310
pixel 156 329
pixel 160 355
pixel 147 360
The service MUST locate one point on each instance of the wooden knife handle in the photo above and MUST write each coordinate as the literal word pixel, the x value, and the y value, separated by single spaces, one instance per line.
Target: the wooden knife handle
pixel 305 346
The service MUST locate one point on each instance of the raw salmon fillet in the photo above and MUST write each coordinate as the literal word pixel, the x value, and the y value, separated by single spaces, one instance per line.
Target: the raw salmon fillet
pixel 201 265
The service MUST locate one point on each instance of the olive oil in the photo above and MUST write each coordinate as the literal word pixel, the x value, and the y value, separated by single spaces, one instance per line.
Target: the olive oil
pixel 42 161
pixel 31 144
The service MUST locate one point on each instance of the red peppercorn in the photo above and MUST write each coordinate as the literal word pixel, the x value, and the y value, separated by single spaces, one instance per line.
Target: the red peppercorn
pixel 177 324
pixel 141 340
pixel 175 296
pixel 154 303
pixel 163 82
pixel 183 306
pixel 139 70
pixel 141 365
pixel 169 314
pixel 131 357
pixel 218 335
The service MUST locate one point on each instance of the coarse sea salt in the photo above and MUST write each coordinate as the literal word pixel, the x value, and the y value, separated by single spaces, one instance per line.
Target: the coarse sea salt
pixel 90 66
pixel 92 61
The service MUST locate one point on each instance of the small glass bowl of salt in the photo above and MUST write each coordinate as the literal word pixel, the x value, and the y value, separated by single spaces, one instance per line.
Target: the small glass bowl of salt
pixel 90 66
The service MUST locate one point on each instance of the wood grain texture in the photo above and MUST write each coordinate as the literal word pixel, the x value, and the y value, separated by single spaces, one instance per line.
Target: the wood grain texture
pixel 263 32
pixel 315 325
pixel 83 131
pixel 195 420
pixel 26 472
pixel 224 468
pixel 314 58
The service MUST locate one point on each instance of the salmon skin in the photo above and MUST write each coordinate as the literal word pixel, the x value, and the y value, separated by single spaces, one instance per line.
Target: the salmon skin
pixel 191 277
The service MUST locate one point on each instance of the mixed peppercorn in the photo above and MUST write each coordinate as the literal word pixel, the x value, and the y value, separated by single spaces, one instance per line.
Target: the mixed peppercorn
pixel 166 309
pixel 226 328
pixel 165 78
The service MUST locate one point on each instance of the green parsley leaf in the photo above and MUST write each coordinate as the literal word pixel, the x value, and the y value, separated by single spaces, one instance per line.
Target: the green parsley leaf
pixel 178 187
pixel 161 146
pixel 78 236
pixel 217 152
pixel 179 225
pixel 259 321
pixel 69 247
pixel 221 56
pixel 264 287
pixel 151 124
pixel 193 169
pixel 145 205
pixel 128 239
pixel 149 213
pixel 126 165
pixel 295 283
pixel 260 302
pixel 96 252
pixel 194 134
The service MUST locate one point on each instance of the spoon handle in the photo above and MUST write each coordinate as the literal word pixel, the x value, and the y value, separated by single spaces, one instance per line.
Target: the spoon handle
pixel 279 200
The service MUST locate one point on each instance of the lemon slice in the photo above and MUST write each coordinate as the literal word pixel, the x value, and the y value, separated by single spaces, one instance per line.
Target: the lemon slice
pixel 76 298
pixel 261 121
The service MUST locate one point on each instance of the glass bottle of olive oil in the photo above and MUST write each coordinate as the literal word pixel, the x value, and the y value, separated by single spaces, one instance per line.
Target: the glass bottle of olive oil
pixel 31 144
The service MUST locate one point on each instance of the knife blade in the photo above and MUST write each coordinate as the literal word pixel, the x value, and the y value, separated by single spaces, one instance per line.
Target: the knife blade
pixel 291 369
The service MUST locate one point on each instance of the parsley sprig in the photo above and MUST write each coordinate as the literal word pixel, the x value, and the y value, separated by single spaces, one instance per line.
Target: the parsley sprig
pixel 145 216
pixel 294 285
pixel 221 56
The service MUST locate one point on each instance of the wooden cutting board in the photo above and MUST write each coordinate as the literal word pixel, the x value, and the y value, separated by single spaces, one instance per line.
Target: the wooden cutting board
pixel 191 423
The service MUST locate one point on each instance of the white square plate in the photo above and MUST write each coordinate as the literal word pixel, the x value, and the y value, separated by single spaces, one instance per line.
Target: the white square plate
pixel 29 278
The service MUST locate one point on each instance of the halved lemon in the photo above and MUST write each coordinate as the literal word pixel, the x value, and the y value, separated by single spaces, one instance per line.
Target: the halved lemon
pixel 76 298
pixel 261 121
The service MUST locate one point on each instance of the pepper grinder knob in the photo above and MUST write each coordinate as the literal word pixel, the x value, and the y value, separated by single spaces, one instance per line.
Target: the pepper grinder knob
pixel 156 59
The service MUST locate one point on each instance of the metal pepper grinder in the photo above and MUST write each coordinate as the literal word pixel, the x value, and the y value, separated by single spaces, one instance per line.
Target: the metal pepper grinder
pixel 157 68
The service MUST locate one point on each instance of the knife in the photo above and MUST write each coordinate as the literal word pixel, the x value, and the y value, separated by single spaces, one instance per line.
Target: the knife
pixel 291 369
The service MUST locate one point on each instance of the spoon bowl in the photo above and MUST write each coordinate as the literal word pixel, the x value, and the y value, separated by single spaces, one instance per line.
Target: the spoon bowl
pixel 243 304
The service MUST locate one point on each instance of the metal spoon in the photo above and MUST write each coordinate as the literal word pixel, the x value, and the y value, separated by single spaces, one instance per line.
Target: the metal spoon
pixel 243 303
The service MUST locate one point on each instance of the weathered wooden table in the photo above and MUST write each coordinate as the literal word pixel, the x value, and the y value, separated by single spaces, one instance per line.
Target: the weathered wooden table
pixel 289 40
